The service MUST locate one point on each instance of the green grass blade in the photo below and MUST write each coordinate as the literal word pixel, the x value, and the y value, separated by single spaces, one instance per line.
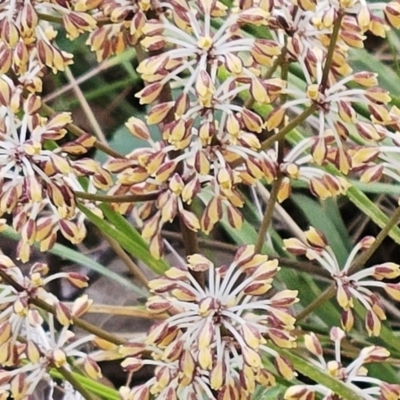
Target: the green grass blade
pixel 97 388
pixel 321 377
pixel 127 242
pixel 79 258
pixel 372 211
pixel 123 225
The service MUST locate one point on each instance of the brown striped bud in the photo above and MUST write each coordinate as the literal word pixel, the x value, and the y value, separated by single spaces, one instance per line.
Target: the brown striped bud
pixel 392 14
pixel 6 57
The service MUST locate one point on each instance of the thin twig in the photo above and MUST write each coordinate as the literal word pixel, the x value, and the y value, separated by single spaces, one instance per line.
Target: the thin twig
pixel 331 290
pixel 266 144
pixel 269 211
pixel 273 198
pixel 131 311
pixel 86 107
pixel 283 214
pixel 331 50
pixel 361 260
pixel 90 74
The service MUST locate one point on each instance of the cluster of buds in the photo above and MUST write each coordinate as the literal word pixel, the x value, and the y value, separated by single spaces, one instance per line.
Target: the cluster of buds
pixel 27 41
pixel 29 340
pixel 222 101
pixel 204 133
pixel 214 338
pixel 204 75
pixel 351 285
pixel 122 25
pixel 351 375
pixel 37 181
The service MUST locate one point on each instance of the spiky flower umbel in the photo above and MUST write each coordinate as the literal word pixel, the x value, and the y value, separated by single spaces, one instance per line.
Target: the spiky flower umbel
pixel 215 335
pixel 203 73
pixel 37 182
pixel 30 342
pixel 242 93
pixel 351 285
pixel 353 375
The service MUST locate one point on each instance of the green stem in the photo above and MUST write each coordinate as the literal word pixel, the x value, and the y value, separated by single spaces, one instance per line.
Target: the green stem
pixel 357 264
pixel 129 198
pixel 269 211
pixel 50 18
pixel 364 257
pixel 68 376
pixel 324 296
pixel 139 53
pixel 290 126
pixel 331 51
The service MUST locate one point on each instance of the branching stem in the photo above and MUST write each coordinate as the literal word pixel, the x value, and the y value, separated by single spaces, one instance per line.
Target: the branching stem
pixel 289 127
pixel 357 264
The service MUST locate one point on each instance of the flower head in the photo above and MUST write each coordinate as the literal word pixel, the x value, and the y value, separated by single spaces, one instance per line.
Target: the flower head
pixel 215 335
pixel 352 375
pixel 351 285
pixel 30 343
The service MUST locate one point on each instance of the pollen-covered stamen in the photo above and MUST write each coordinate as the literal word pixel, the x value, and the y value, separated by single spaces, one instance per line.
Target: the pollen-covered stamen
pixel 205 43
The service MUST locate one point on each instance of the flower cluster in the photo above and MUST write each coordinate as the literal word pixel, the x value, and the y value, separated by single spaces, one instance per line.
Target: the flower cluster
pixel 213 340
pixel 203 130
pixel 351 285
pixel 37 181
pixel 204 73
pixel 220 83
pixel 122 25
pixel 352 375
pixel 27 42
pixel 331 95
pixel 30 343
